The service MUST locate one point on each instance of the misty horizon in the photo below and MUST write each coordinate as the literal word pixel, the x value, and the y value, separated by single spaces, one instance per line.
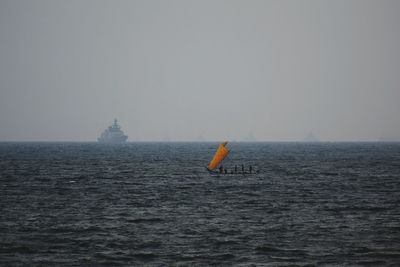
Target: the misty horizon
pixel 200 70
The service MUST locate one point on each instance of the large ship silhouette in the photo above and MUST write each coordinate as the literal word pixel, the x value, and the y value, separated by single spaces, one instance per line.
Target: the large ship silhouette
pixel 113 134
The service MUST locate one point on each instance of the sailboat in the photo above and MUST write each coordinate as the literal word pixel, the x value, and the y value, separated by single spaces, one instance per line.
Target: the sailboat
pixel 221 153
pixel 219 156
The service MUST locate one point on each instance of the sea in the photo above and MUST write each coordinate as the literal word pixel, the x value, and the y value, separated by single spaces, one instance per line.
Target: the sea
pixel 155 204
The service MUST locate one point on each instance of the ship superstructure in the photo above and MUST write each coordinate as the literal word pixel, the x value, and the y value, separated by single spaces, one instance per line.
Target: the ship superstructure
pixel 113 134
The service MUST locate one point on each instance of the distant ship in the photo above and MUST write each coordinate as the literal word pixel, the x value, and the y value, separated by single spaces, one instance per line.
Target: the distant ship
pixel 113 134
pixel 310 138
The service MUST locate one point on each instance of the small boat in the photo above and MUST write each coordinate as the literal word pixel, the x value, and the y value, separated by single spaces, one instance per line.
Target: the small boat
pixel 221 153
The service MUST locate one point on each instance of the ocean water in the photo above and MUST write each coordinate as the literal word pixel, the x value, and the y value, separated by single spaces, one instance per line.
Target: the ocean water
pixel 154 204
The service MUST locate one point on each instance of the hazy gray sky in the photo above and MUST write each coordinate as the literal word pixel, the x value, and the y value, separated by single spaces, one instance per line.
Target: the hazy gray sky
pixel 184 70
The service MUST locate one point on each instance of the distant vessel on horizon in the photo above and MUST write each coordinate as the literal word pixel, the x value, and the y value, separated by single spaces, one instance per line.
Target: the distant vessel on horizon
pixel 311 138
pixel 113 134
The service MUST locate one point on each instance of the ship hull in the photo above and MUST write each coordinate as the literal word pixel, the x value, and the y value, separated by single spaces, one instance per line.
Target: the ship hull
pixel 121 139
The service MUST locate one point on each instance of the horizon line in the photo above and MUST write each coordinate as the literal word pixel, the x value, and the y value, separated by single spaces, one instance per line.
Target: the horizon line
pixel 203 141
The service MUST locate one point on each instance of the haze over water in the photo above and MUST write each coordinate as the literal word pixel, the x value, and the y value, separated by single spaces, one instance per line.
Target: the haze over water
pixel 200 70
pixel 209 70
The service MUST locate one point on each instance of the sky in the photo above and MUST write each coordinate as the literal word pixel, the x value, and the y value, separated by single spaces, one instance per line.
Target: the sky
pixel 200 70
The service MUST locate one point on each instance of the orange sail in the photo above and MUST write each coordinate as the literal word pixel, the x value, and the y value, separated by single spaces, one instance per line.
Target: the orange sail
pixel 219 156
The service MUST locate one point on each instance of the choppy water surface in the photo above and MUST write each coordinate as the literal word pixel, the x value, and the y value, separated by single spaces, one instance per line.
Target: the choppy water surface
pixel 155 204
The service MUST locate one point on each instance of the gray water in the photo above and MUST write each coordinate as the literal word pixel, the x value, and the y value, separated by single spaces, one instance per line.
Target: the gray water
pixel 155 204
